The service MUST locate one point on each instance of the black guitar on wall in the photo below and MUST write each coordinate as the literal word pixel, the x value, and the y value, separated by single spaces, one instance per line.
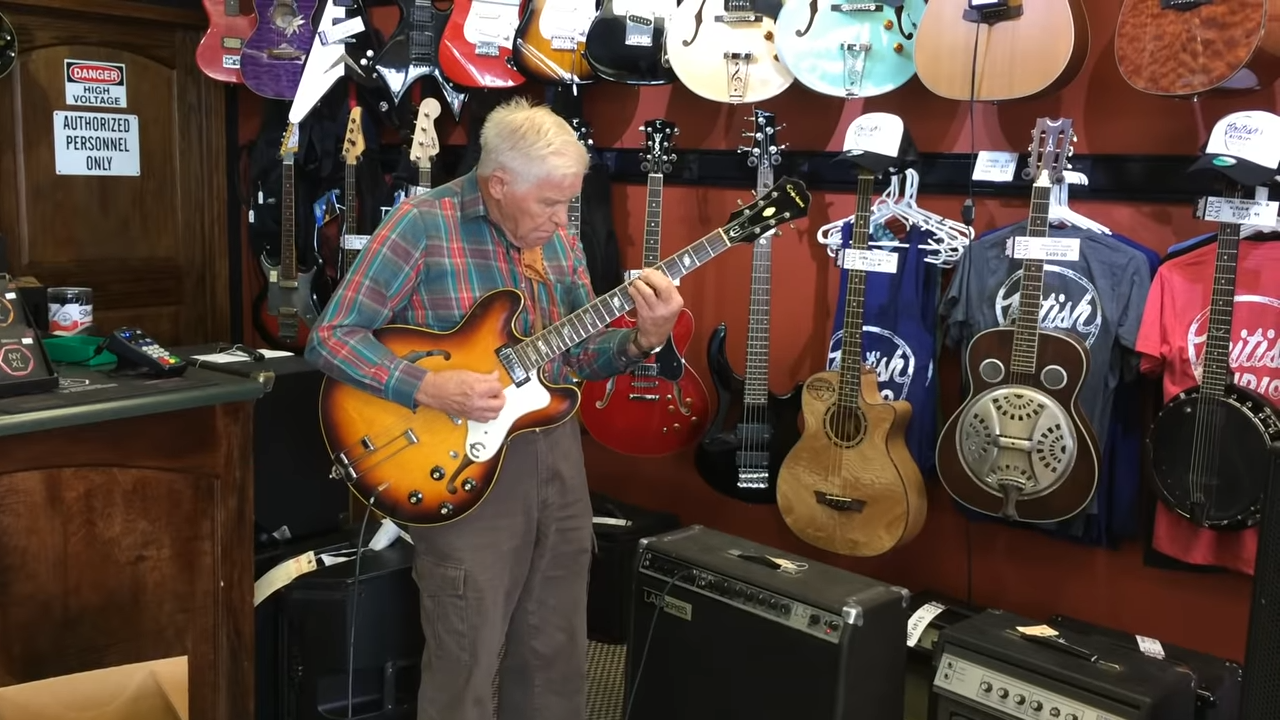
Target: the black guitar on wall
pixel 627 42
pixel 413 52
pixel 8 46
pixel 742 460
pixel 1210 444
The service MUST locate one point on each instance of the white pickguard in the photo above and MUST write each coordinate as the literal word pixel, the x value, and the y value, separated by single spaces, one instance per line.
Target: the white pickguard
pixel 492 21
pixel 485 440
pixel 325 64
pixel 566 19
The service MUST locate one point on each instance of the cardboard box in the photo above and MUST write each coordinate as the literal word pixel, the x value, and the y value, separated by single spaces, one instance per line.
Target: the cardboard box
pixel 146 691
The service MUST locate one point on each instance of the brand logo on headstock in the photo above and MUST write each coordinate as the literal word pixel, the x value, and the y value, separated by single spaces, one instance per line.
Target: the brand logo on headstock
pixel 791 190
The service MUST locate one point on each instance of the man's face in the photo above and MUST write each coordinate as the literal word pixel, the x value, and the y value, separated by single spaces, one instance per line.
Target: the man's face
pixel 531 214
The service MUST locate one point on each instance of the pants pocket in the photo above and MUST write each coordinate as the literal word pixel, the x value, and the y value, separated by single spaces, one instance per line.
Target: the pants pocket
pixel 444 610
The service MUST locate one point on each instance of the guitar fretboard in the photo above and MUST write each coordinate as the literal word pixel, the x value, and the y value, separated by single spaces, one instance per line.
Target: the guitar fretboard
pixel 849 393
pixel 574 214
pixel 653 222
pixel 288 239
pixel 351 219
pixel 1027 323
pixel 424 179
pixel 422 32
pixel 1216 365
pixel 755 387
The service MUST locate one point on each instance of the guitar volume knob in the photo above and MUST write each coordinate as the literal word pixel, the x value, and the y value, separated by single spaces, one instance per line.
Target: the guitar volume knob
pixel 415 497
pixel 446 508
pixel 468 485
pixel 437 473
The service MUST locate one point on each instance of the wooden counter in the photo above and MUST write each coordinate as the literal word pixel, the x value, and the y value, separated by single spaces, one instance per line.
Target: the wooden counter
pixel 126 532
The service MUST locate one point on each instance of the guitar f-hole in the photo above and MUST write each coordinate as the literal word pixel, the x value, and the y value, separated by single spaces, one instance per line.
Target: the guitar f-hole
pixel 414 356
pixel 813 14
pixel 697 25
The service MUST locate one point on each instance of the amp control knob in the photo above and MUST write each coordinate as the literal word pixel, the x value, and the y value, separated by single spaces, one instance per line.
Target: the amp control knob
pixel 1072 716
pixel 437 473
pixel 984 686
pixel 1036 706
pixel 1019 699
pixel 1054 712
pixel 786 608
pixel 1002 693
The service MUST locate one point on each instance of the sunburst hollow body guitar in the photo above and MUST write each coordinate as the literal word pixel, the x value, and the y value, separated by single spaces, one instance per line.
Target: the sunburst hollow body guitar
pixel 1020 447
pixel 425 467
pixel 723 50
pixel 850 484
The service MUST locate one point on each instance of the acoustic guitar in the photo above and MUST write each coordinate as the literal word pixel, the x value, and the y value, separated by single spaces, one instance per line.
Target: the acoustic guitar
pixel 475 50
pixel 1190 47
pixel 626 43
pixel 1210 444
pixel 273 57
pixel 1020 447
pixel 1024 49
pixel 723 50
pixel 550 42
pixel 412 52
pixel 660 406
pixel 423 467
pixel 753 429
pixel 218 54
pixel 849 50
pixel 425 144
pixel 8 46
pixel 850 485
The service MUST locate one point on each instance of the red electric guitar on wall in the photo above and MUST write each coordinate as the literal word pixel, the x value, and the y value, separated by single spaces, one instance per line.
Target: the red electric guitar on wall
pixel 218 54
pixel 475 49
pixel 661 405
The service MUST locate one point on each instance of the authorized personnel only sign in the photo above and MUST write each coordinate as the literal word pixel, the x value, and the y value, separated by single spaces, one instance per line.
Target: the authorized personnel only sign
pixel 86 143
pixel 100 84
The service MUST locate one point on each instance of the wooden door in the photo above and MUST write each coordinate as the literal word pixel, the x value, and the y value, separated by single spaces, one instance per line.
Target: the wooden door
pixel 122 189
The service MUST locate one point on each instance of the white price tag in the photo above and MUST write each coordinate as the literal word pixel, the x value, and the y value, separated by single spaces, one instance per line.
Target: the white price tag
pixel 354 242
pixel 629 275
pixel 1150 647
pixel 869 260
pixel 995 166
pixel 11 296
pixel 564 43
pixel 1232 210
pixel 342 31
pixel 1062 249
pixel 231 61
pixel 920 619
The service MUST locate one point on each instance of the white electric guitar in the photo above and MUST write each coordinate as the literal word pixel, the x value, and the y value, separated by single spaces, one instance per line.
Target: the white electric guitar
pixel 328 59
pixel 723 50
pixel 425 144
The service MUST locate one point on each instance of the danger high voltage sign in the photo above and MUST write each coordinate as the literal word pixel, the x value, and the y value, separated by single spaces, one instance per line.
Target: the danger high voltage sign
pixel 99 84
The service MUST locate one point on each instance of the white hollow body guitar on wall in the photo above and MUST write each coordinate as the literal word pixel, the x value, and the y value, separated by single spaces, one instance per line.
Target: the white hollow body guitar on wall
pixel 723 50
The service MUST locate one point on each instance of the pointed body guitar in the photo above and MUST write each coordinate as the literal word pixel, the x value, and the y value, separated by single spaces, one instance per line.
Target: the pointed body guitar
pixel 722 50
pixel 413 51
pixel 218 55
pixel 475 50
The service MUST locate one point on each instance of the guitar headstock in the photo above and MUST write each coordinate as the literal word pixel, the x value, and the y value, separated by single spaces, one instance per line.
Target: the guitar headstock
pixel 764 148
pixel 426 145
pixel 787 201
pixel 583 131
pixel 353 144
pixel 1051 148
pixel 289 145
pixel 659 139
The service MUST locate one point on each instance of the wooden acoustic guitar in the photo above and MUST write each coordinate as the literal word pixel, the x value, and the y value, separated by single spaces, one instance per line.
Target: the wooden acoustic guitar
pixel 1184 48
pixel 1020 447
pixel 660 406
pixel 8 46
pixel 1025 49
pixel 475 50
pixel 850 484
pixel 424 467
pixel 1211 444
pixel 550 44
pixel 627 41
pixel 723 50
pixel 218 54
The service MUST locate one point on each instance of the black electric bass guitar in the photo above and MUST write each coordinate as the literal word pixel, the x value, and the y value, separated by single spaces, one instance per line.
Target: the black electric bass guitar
pixel 1210 444
pixel 8 46
pixel 741 460
pixel 627 42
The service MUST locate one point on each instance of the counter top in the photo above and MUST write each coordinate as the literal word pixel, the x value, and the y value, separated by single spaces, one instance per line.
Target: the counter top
pixel 91 395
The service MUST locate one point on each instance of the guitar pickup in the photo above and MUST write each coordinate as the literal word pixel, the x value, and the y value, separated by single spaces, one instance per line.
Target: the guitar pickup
pixel 837 502
pixel 639 30
pixel 735 18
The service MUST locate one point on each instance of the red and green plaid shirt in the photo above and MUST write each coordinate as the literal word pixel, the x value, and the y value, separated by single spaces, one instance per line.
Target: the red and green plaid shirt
pixel 426 265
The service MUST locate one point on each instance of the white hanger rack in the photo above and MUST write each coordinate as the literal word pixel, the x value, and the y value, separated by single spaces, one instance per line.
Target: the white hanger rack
pixel 1060 211
pixel 947 238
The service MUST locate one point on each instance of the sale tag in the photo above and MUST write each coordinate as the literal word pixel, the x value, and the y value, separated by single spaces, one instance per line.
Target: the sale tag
pixel 995 166
pixel 231 62
pixel 342 30
pixel 354 242
pixel 920 619
pixel 1150 647
pixel 1044 248
pixel 869 260
pixel 1239 210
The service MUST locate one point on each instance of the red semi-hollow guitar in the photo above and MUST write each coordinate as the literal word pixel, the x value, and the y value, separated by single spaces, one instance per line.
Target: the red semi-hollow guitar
pixel 475 48
pixel 218 54
pixel 660 406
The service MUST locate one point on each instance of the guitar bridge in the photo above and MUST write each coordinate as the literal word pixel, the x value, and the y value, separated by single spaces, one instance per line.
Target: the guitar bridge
pixel 639 30
pixel 738 18
pixel 752 479
pixel 737 66
pixel 564 42
pixel 855 62
pixel 837 502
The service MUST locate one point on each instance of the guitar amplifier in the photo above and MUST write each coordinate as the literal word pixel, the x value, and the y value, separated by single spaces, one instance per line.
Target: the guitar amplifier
pixel 987 669
pixel 719 631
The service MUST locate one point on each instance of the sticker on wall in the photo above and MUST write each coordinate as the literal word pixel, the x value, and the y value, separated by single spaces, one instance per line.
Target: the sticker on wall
pixel 99 84
pixel 86 143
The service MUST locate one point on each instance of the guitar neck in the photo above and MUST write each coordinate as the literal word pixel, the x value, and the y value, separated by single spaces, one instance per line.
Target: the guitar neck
pixel 1027 324
pixel 1216 365
pixel 424 178
pixel 653 222
pixel 850 380
pixel 756 374
pixel 537 350
pixel 351 218
pixel 288 238
pixel 422 32
pixel 231 8
pixel 574 227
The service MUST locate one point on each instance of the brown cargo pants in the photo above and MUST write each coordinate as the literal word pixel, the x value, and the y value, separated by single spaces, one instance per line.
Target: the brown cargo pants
pixel 513 571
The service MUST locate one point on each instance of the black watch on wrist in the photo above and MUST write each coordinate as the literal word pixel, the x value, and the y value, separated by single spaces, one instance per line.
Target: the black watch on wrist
pixel 635 343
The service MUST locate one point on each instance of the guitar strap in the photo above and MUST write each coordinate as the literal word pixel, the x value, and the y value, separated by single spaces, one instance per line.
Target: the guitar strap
pixel 534 267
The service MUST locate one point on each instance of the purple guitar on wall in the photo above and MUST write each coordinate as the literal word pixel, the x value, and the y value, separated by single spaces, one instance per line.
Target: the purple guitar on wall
pixel 273 57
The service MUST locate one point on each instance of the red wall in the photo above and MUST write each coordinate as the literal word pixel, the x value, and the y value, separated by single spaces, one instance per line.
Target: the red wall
pixel 1020 570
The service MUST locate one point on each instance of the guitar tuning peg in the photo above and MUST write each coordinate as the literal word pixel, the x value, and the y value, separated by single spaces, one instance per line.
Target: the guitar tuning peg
pixel 739 203
pixel 791 225
pixel 784 146
pixel 748 133
pixel 675 131
pixel 780 127
pixel 743 148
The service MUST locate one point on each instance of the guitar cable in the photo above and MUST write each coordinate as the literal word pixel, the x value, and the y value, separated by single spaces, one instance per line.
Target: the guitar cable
pixel 355 607
pixel 648 638
pixel 967 211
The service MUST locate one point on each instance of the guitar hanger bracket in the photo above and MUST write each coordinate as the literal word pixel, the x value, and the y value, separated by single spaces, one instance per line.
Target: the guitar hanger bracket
pixel 990 12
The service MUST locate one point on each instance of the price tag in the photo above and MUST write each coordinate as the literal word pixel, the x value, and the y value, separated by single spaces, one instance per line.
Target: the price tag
pixel 629 275
pixel 342 31
pixel 881 261
pixel 1045 248
pixel 354 242
pixel 564 43
pixel 1232 210
pixel 1038 631
pixel 920 619
pixel 995 166
pixel 1150 647
pixel 11 296
pixel 231 61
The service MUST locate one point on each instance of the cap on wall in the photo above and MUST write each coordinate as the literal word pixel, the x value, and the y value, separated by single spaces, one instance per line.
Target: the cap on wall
pixel 879 141
pixel 1244 146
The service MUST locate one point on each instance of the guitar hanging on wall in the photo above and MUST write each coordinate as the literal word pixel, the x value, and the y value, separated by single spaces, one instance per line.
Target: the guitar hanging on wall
pixel 550 42
pixel 353 146
pixel 285 310
pixel 8 46
pixel 741 460
pixel 660 405
pixel 344 46
pixel 425 145
pixel 413 52
pixel 850 485
pixel 627 41
pixel 723 50
pixel 423 467
pixel 849 50
pixel 475 49
pixel 1020 447
pixel 218 55
pixel 1210 445
pixel 274 55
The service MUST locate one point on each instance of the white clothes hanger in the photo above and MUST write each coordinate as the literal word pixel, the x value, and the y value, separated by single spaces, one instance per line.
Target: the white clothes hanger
pixel 1060 211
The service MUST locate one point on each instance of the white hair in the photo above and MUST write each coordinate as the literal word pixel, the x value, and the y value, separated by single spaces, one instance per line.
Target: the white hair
pixel 530 142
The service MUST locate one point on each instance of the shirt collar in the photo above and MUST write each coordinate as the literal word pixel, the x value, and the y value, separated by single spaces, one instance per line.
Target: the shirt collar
pixel 470 199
